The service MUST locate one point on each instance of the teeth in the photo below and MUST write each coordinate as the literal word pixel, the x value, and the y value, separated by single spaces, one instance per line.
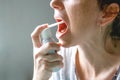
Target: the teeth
pixel 62 31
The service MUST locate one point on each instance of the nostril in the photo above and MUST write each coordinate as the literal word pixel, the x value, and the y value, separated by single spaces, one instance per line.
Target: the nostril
pixel 56 4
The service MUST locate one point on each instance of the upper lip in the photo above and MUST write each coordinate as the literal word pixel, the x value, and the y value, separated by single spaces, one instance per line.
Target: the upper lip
pixel 63 26
pixel 59 19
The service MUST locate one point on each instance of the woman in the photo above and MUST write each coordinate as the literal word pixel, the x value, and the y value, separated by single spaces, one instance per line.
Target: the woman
pixel 89 42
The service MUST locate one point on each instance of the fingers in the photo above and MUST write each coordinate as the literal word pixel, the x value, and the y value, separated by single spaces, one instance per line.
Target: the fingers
pixel 52 62
pixel 44 62
pixel 51 57
pixel 44 49
pixel 52 66
pixel 36 35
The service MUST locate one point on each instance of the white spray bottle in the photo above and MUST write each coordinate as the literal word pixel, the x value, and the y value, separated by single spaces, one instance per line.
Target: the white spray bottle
pixel 47 35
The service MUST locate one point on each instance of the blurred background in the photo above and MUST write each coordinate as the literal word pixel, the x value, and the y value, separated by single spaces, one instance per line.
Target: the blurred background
pixel 18 18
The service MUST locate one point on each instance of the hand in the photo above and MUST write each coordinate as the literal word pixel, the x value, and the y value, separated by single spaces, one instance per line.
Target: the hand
pixel 44 63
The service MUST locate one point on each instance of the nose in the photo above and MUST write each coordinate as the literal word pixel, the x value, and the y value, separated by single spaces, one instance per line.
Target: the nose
pixel 57 4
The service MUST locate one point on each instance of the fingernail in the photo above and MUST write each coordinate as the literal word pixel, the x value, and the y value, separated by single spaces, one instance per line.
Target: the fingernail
pixel 59 44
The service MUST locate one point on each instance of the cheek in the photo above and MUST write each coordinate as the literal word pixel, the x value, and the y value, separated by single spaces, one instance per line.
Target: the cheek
pixel 77 21
pixel 81 16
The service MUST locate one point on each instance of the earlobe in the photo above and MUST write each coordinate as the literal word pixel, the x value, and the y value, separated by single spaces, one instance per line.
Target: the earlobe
pixel 109 13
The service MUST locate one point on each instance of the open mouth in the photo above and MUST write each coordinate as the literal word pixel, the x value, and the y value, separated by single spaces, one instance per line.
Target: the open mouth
pixel 61 27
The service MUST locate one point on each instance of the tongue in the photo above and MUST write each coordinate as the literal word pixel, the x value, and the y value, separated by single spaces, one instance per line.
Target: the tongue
pixel 62 28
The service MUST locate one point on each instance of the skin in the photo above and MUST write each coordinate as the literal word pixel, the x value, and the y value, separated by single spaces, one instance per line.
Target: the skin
pixel 44 63
pixel 94 58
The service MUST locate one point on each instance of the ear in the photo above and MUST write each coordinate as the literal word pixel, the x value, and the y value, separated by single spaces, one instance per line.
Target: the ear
pixel 109 13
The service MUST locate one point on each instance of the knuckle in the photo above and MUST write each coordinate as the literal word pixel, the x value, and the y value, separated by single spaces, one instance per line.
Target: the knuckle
pixel 49 44
pixel 60 64
pixel 44 65
pixel 36 56
pixel 61 58
pixel 57 63
pixel 33 34
pixel 39 61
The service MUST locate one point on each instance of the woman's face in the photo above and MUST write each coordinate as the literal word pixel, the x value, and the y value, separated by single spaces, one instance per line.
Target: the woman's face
pixel 80 20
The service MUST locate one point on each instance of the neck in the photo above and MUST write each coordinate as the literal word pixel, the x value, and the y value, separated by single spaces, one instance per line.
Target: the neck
pixel 95 61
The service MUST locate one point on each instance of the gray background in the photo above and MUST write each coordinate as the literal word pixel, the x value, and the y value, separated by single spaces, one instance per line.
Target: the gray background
pixel 18 18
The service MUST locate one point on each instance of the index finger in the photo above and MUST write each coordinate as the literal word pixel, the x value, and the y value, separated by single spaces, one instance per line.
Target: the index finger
pixel 35 35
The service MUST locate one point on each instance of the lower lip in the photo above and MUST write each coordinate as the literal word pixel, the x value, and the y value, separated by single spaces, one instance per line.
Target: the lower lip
pixel 60 34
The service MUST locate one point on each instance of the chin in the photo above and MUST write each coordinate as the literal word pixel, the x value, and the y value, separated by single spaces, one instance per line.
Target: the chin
pixel 66 44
